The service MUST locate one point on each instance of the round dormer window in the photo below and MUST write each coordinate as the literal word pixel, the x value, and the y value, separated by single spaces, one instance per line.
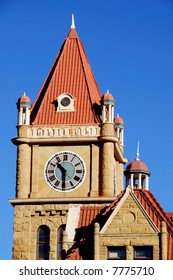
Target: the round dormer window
pixel 65 101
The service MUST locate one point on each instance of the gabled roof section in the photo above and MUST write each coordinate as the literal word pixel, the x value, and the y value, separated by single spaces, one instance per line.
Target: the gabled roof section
pixel 170 216
pixel 103 215
pixel 71 74
pixel 153 208
pixel 157 214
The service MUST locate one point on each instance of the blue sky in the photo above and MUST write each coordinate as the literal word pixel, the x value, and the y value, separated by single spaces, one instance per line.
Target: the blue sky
pixel 129 44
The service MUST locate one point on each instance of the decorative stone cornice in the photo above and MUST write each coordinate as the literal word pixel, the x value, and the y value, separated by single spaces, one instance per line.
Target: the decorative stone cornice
pixel 57 134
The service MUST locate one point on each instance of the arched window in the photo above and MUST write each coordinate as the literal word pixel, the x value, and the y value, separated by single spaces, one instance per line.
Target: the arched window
pixel 59 242
pixel 43 234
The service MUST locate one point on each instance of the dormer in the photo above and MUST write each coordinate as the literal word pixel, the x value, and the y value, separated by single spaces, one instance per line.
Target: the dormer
pixel 65 103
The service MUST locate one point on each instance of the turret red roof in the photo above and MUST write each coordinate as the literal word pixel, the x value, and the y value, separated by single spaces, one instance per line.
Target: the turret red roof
pixel 71 74
pixel 118 120
pixel 137 165
pixel 24 98
pixel 107 96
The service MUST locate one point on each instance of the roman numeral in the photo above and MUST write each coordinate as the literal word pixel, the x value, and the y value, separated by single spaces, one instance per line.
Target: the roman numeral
pixel 76 178
pixel 71 183
pixel 72 159
pixel 65 157
pixel 58 159
pixel 79 171
pixel 77 164
pixel 52 178
pixel 57 183
pixel 50 171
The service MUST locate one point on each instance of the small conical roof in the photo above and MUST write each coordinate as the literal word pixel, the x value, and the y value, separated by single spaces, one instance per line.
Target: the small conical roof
pixel 24 99
pixel 118 120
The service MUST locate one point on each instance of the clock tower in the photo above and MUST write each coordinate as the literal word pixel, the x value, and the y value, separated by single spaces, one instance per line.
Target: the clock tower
pixel 70 153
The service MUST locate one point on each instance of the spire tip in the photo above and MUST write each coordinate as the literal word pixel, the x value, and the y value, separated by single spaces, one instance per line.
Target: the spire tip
pixel 137 152
pixel 72 22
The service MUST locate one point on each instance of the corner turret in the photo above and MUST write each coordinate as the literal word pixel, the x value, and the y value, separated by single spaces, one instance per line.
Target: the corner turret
pixel 107 107
pixel 23 106
pixel 137 174
pixel 119 128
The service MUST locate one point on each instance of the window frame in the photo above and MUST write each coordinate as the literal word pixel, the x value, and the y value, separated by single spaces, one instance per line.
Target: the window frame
pixel 60 231
pixel 145 256
pixel 63 107
pixel 46 243
pixel 119 249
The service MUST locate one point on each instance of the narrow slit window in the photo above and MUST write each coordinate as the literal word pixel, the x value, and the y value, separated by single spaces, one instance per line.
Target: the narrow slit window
pixel 60 241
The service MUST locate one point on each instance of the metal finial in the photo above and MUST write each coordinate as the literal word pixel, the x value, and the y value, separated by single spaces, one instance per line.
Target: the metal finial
pixel 137 152
pixel 72 22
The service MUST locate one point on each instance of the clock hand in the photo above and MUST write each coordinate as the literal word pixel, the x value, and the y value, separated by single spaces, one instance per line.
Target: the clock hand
pixel 63 180
pixel 63 171
pixel 61 168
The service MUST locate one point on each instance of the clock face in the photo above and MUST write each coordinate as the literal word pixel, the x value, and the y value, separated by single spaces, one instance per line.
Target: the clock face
pixel 65 171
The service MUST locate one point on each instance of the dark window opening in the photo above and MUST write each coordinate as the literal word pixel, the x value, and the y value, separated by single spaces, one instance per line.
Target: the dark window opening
pixel 65 101
pixel 43 234
pixel 117 253
pixel 143 253
pixel 60 253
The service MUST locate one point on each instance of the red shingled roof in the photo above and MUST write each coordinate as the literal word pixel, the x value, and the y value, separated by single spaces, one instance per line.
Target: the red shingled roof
pixel 100 213
pixel 71 73
pixel 170 215
pixel 87 214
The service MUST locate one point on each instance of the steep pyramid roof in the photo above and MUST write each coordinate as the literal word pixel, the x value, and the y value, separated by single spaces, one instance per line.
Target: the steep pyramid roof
pixel 70 74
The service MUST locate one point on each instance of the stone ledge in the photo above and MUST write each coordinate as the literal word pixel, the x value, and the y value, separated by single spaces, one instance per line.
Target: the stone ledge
pixel 87 200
